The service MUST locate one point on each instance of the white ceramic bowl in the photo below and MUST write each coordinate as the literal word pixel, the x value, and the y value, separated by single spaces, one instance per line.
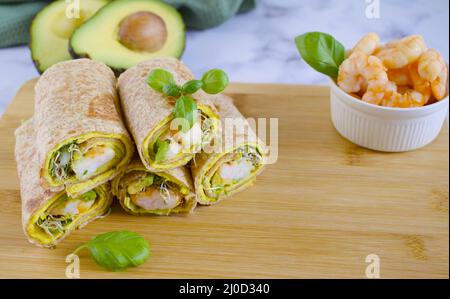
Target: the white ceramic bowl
pixel 383 128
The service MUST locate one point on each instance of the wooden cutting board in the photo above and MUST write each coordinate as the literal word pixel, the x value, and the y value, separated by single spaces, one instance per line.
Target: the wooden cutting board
pixel 317 213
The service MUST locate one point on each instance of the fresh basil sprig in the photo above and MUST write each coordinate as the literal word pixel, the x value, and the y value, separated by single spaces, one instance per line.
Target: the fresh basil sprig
pixel 321 51
pixel 212 82
pixel 162 81
pixel 118 250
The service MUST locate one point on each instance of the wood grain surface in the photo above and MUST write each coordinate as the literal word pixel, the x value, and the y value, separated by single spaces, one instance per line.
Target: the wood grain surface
pixel 317 213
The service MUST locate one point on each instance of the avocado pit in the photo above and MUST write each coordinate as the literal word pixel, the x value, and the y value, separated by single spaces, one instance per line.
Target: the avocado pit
pixel 143 31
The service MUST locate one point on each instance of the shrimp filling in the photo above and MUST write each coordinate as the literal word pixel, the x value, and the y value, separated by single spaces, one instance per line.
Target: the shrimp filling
pixel 65 210
pixel 86 160
pixel 151 192
pixel 232 171
pixel 85 166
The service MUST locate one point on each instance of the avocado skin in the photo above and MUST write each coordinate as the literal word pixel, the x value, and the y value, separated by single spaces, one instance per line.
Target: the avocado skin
pixel 119 70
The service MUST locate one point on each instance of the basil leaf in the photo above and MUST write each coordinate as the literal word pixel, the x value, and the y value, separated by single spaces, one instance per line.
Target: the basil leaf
pixel 162 147
pixel 172 90
pixel 158 78
pixel 118 250
pixel 321 51
pixel 186 108
pixel 192 86
pixel 214 81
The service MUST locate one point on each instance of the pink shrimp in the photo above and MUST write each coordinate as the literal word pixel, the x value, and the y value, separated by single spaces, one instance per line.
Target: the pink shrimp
pixel 411 98
pixel 432 68
pixel 403 96
pixel 349 77
pixel 419 84
pixel 400 53
pixel 377 80
pixel 400 76
pixel 367 44
pixel 361 73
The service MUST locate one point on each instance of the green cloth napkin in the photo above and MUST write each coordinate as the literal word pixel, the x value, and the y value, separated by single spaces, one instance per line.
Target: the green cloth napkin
pixel 16 15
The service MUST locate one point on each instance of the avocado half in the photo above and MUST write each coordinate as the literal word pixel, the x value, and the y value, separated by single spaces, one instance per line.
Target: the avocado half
pixel 126 32
pixel 51 29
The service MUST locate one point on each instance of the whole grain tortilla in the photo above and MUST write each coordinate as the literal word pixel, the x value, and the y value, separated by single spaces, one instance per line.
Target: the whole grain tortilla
pixel 74 98
pixel 206 163
pixel 33 195
pixel 145 109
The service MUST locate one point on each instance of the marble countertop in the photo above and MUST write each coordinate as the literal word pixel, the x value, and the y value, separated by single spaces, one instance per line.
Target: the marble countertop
pixel 259 46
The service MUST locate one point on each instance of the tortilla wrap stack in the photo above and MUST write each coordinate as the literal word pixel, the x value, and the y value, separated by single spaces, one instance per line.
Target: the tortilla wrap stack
pixel 234 162
pixel 149 115
pixel 141 192
pixel 48 217
pixel 81 140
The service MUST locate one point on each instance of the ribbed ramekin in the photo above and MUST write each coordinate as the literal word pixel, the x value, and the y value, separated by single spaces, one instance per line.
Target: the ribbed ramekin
pixel 383 128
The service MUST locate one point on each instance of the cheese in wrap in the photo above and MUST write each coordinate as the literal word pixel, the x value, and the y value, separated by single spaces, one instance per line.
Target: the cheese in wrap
pixel 149 116
pixel 234 162
pixel 80 138
pixel 142 192
pixel 48 217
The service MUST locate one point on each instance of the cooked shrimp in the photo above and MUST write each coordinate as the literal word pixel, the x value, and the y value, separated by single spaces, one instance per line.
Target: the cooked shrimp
pixel 430 65
pixel 377 80
pixel 401 73
pixel 363 73
pixel 86 165
pixel 403 88
pixel 419 84
pixel 235 171
pixel 398 54
pixel 432 68
pixel 391 95
pixel 72 207
pixel 411 98
pixel 368 44
pixel 350 78
pixel 68 207
pixel 152 198
pixel 400 76
pixel 379 49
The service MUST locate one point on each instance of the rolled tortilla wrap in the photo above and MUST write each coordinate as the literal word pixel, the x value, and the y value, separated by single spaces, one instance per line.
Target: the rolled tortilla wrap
pixel 142 192
pixel 81 140
pixel 48 217
pixel 233 164
pixel 149 115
